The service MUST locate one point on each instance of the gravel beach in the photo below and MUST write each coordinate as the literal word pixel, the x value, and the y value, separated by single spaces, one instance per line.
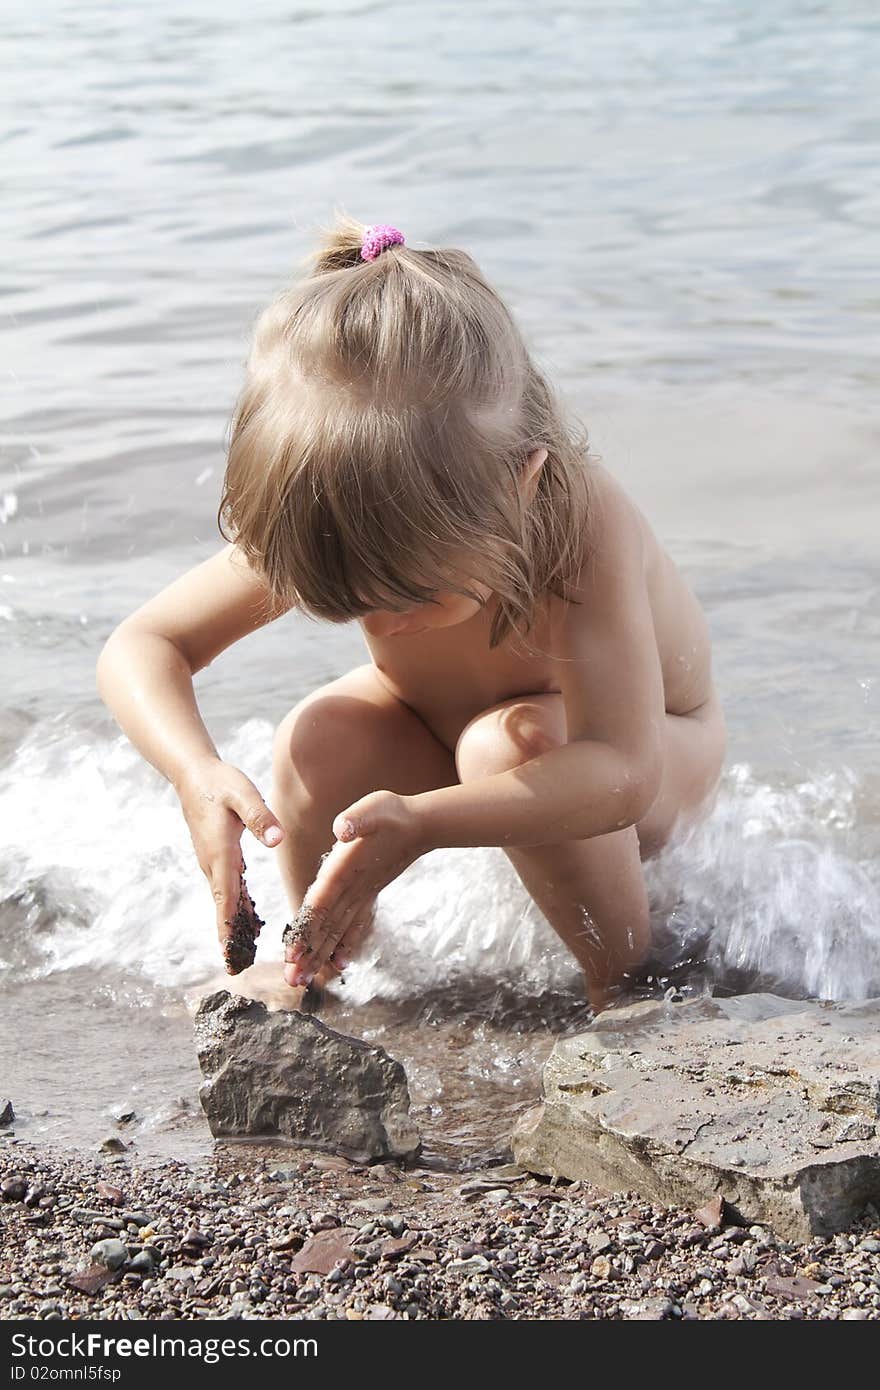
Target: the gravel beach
pixel 275 1232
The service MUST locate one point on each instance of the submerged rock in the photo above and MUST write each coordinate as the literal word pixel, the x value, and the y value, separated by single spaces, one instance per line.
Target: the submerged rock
pixel 772 1103
pixel 286 1073
pixel 112 1145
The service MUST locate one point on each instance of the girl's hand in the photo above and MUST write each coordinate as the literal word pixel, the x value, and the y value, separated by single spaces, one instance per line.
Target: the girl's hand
pixel 377 838
pixel 218 801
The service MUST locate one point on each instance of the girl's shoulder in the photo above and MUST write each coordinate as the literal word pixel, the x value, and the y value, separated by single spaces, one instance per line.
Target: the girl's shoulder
pixel 610 504
pixel 616 540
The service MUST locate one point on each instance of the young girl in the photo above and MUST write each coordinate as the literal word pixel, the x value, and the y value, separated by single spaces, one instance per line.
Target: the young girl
pixel 539 675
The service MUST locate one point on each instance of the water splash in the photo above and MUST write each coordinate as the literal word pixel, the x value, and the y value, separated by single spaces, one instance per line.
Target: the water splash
pixel 778 888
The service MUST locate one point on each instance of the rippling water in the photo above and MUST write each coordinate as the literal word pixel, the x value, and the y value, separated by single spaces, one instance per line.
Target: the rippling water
pixel 680 203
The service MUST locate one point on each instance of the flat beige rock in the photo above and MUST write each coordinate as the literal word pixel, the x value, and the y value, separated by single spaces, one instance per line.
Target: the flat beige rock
pixel 774 1103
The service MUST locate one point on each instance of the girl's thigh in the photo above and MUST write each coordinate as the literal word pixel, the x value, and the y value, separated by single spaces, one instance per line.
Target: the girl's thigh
pixel 696 744
pixel 352 736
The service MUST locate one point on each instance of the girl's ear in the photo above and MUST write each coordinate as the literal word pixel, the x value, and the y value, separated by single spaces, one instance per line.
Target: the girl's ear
pixel 531 472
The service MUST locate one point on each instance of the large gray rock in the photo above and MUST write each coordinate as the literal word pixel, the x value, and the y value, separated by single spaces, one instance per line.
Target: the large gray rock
pixel 286 1073
pixel 774 1103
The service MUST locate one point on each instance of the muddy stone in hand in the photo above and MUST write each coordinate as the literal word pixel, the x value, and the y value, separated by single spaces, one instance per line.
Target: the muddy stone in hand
pixel 240 947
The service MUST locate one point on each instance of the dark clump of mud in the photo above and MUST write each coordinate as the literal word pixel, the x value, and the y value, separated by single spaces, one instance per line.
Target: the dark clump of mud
pixel 240 947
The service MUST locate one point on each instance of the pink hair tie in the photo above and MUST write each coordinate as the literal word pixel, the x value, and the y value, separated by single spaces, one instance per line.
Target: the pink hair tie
pixel 377 239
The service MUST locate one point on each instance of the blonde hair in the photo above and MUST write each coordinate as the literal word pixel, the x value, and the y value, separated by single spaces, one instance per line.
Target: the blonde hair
pixel 388 409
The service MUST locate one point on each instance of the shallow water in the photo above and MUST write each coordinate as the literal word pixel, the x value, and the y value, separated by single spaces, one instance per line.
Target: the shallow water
pixel 681 207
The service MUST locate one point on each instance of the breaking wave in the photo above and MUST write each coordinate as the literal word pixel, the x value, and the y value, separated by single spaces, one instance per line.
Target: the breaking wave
pixel 777 889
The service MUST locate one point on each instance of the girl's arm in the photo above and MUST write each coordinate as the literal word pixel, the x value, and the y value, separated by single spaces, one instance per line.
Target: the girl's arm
pixel 144 676
pixel 145 670
pixel 608 773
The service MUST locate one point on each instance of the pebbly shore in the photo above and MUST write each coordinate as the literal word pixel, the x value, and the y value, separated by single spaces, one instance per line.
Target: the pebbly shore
pixel 274 1232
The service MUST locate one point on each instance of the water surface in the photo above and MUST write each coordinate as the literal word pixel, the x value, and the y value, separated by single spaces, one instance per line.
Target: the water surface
pixel 680 204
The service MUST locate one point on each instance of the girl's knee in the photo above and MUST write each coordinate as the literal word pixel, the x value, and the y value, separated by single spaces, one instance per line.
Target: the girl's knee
pixel 504 738
pixel 351 737
pixel 325 731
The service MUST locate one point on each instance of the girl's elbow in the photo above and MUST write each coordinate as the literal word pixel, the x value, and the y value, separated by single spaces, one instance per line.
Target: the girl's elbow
pixel 643 777
pixel 102 663
pixel 108 651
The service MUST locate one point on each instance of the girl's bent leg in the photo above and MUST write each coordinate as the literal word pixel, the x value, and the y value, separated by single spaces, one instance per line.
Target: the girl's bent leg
pixel 346 739
pixel 593 892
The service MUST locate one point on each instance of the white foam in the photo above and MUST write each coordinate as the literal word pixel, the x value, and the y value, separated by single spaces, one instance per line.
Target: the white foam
pixel 772 880
pixel 770 877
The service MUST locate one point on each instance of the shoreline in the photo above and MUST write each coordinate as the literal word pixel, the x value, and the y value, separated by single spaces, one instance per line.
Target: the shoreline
pixel 228 1236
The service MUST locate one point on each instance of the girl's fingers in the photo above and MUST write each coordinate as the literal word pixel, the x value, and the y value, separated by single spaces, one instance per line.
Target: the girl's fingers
pixel 359 922
pixel 341 924
pixel 322 916
pixel 351 944
pixel 252 810
pixel 341 870
pixel 303 934
pixel 226 889
pixel 324 943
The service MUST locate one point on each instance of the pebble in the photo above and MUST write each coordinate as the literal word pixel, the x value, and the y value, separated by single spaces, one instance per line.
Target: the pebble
pixel 197 1240
pixel 395 1224
pixel 599 1241
pixel 647 1309
pixel 136 1218
pixel 111 1253
pixel 87 1216
pixel 114 1195
pixel 222 1243
pixel 475 1264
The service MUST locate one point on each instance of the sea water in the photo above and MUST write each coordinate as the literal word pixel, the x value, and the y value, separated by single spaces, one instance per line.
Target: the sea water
pixel 680 205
